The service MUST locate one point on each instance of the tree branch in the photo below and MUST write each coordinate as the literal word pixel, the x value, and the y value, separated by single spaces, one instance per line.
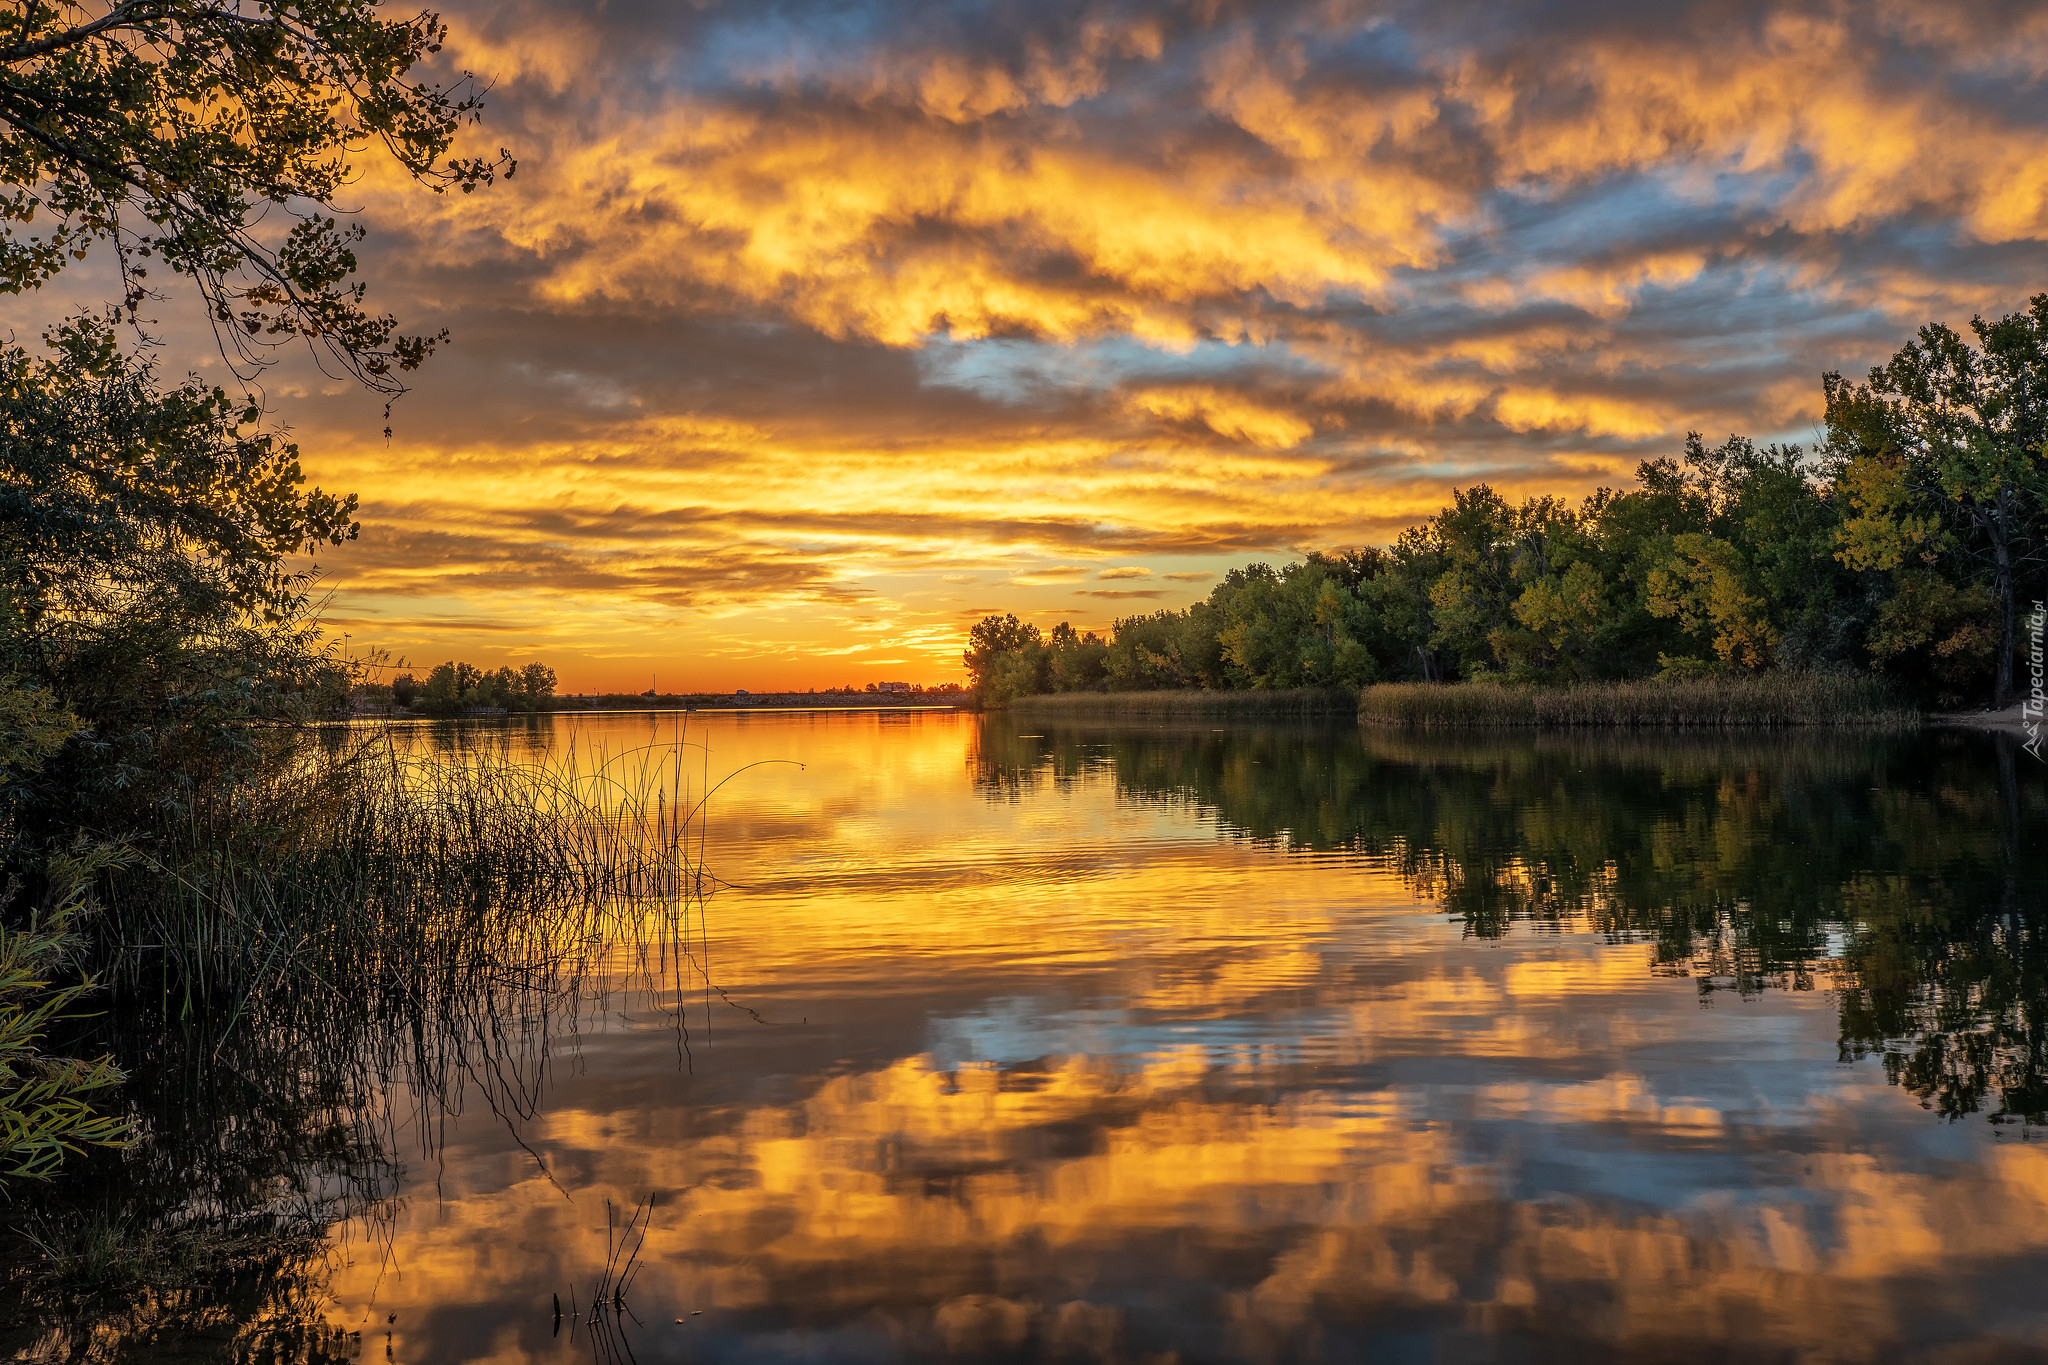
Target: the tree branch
pixel 125 15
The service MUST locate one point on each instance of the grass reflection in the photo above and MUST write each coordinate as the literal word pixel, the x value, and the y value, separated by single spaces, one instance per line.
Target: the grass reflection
pixel 319 1001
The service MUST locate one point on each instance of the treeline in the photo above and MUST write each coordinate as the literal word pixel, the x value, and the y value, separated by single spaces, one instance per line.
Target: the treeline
pixel 452 688
pixel 1906 545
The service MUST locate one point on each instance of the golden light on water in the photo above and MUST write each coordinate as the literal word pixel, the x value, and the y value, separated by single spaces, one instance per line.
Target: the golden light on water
pixel 1031 1038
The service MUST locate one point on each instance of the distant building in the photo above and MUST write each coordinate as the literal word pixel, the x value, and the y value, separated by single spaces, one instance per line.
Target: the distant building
pixel 739 692
pixel 893 687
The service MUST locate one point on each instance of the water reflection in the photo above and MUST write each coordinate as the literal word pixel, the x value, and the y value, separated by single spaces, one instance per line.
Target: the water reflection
pixel 1129 1043
pixel 1905 874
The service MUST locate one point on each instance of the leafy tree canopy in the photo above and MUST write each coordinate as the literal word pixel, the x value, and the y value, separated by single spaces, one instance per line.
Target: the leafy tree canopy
pixel 111 487
pixel 175 129
pixel 144 537
pixel 1945 448
pixel 1901 547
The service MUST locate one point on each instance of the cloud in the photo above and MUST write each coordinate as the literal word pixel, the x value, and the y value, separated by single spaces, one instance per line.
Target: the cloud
pixel 796 307
pixel 1226 415
pixel 1057 573
pixel 1189 577
pixel 1130 571
pixel 444 625
pixel 1115 595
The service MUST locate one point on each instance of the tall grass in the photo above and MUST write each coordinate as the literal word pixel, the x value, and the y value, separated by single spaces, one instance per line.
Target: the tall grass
pixel 1724 701
pixel 1190 704
pixel 391 852
pixel 404 918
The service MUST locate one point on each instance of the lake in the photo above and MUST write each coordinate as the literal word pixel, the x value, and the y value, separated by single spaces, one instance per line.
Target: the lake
pixel 1154 1043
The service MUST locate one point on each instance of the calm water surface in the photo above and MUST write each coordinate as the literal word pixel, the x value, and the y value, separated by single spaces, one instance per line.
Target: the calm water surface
pixel 1137 1043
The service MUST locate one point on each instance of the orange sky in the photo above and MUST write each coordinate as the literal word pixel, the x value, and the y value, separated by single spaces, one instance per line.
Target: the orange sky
pixel 809 332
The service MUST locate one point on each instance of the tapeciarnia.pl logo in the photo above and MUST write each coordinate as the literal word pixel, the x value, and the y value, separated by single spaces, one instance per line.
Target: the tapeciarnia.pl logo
pixel 2031 710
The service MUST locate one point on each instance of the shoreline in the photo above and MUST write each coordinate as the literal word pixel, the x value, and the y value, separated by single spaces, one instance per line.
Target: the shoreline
pixel 2012 718
pixel 412 719
pixel 1193 703
pixel 1730 702
pixel 614 704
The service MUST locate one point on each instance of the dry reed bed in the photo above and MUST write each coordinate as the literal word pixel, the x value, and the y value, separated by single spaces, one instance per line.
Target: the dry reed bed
pixel 1733 701
pixel 1279 704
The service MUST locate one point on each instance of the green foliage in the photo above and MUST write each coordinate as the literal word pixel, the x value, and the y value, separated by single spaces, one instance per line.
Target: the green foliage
pixel 1077 662
pixel 1708 588
pixel 1299 626
pixel 1898 551
pixel 1005 659
pixel 1945 464
pixel 46 1103
pixel 1939 635
pixel 111 489
pixel 171 129
pixel 34 727
pixel 157 652
pixel 144 540
pixel 1166 649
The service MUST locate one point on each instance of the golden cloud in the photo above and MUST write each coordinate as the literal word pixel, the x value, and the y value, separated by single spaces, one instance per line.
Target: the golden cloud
pixel 1209 288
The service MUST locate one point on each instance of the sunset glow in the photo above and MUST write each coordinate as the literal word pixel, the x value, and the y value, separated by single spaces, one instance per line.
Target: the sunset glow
pixel 807 334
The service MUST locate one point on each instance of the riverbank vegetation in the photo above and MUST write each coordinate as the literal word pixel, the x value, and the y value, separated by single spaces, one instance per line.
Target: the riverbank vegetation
pixel 160 659
pixel 454 687
pixel 1899 550
pixel 1772 698
pixel 395 915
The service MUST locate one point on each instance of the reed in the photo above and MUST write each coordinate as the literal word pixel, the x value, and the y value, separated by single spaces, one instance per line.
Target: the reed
pixel 1723 701
pixel 1190 704
pixel 405 854
pixel 393 920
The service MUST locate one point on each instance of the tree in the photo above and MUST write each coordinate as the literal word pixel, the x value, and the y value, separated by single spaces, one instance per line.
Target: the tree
pixel 1945 453
pixel 1166 649
pixel 454 685
pixel 1563 613
pixel 111 488
pixel 537 680
pixel 144 534
pixel 1003 658
pixel 441 693
pixel 1708 588
pixel 1077 661
pixel 1297 626
pixel 172 129
pixel 1474 539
